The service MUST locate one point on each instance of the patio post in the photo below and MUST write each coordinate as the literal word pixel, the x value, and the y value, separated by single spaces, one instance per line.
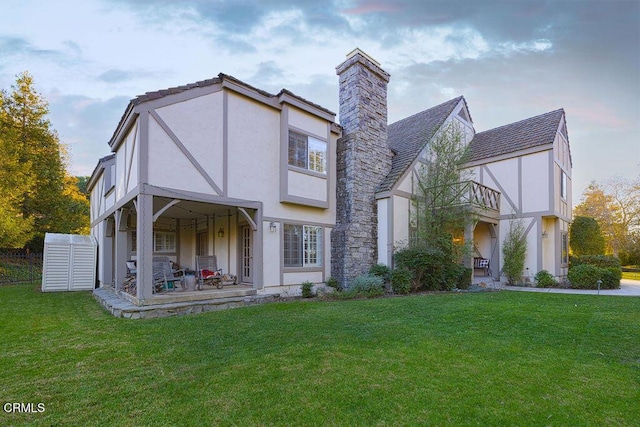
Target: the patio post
pixel 145 247
pixel 122 251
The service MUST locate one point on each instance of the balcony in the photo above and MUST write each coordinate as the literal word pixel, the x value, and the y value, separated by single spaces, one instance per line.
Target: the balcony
pixel 482 200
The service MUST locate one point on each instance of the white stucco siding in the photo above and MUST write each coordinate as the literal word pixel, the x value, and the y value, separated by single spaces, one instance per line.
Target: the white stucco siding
pixel 109 201
pixel 131 159
pixel 304 185
pixel 550 239
pixel 307 122
pixel 96 203
pixel 482 240
pixel 298 278
pixel 226 247
pixel 253 151
pixel 383 231
pixel 327 252
pixel 533 239
pixel 121 173
pixel 272 254
pixel 123 178
pixel 406 183
pixel 168 166
pixel 198 124
pixel 506 180
pixel 186 245
pixel 535 182
pixel 400 221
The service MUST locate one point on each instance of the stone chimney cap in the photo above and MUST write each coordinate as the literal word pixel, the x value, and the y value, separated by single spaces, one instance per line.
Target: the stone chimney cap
pixel 356 51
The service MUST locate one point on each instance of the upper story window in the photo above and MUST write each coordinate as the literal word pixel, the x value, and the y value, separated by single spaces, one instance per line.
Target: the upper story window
pixel 109 178
pixel 563 185
pixel 307 152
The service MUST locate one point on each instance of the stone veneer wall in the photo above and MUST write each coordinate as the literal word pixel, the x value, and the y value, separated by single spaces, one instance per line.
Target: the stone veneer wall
pixel 363 161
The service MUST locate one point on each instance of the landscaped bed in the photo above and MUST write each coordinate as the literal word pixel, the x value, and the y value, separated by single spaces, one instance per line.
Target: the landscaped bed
pixel 496 358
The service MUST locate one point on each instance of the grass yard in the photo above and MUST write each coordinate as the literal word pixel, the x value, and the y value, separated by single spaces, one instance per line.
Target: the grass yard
pixel 631 275
pixel 506 358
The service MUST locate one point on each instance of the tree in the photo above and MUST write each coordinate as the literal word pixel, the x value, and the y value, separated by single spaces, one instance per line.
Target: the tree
pixel 39 187
pixel 514 251
pixel 585 236
pixel 616 206
pixel 441 211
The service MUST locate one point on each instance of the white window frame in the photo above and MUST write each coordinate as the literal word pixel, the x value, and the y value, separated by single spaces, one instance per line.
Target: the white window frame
pixel 315 155
pixel 564 248
pixel 164 242
pixel 563 185
pixel 309 247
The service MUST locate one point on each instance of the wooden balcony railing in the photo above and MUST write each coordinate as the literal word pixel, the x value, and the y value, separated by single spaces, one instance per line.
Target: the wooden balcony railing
pixel 465 193
pixel 481 195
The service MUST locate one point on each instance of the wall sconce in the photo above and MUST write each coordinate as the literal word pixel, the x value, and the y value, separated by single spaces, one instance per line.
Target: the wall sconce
pixel 545 234
pixel 221 232
pixel 272 226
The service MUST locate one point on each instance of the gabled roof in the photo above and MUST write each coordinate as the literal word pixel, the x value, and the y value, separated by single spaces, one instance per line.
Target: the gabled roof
pixel 529 133
pixel 98 169
pixel 407 138
pixel 150 96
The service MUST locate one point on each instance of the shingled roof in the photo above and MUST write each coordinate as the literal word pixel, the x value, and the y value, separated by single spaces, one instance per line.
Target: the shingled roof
pixel 149 96
pixel 409 136
pixel 529 133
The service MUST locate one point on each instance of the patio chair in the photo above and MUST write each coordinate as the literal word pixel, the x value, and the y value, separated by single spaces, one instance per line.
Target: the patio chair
pixel 483 264
pixel 132 269
pixel 164 276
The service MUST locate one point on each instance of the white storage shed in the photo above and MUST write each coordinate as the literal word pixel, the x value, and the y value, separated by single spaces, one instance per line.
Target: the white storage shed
pixel 69 262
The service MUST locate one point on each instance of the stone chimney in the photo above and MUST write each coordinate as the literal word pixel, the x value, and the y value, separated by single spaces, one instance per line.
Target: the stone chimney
pixel 363 161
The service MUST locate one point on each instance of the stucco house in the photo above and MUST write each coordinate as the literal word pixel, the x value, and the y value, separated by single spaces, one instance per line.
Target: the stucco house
pixel 282 194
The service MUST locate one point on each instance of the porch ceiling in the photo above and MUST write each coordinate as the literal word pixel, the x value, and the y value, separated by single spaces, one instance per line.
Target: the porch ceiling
pixel 187 209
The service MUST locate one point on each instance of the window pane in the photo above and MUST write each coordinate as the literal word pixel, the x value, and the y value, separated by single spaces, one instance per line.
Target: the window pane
pixel 297 149
pixel 164 241
pixel 317 155
pixel 565 248
pixel 292 245
pixel 312 246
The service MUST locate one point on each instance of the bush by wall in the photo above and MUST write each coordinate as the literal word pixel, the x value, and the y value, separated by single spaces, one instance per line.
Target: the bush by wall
pixel 608 270
pixel 544 279
pixel 401 281
pixel 381 270
pixel 307 290
pixel 586 276
pixel 431 268
pixel 602 261
pixel 365 285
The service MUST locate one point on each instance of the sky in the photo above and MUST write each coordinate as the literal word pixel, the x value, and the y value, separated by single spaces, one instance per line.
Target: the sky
pixel 510 59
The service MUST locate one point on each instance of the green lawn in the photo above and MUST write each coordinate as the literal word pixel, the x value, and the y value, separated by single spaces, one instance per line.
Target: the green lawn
pixel 631 275
pixel 506 358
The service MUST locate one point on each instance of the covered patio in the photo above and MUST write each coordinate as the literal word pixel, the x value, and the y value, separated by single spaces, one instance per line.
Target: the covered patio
pixel 180 226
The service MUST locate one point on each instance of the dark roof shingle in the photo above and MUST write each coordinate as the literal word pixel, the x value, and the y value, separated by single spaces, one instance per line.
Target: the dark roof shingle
pixel 514 137
pixel 409 136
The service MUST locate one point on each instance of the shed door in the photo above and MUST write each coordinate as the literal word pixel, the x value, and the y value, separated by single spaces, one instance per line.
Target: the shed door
pixel 246 275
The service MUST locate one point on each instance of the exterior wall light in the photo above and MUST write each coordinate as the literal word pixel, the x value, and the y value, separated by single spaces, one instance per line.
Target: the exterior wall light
pixel 545 234
pixel 221 232
pixel 272 226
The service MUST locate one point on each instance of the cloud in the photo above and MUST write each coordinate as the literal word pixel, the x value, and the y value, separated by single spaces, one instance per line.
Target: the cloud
pixel 85 126
pixel 19 47
pixel 118 76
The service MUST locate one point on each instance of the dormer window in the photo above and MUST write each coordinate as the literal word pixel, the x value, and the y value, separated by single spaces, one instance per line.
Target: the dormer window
pixel 307 152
